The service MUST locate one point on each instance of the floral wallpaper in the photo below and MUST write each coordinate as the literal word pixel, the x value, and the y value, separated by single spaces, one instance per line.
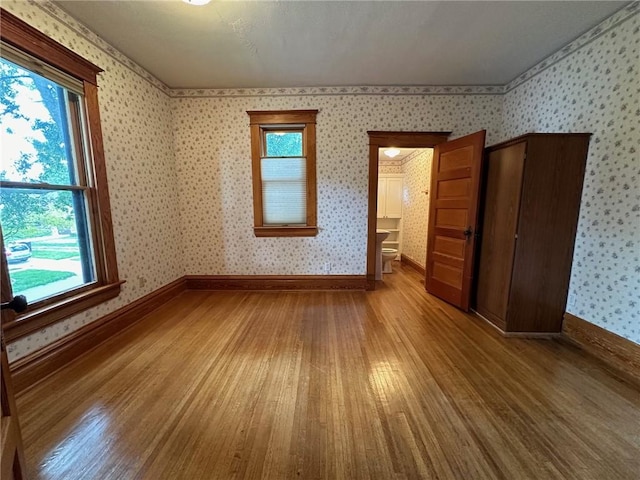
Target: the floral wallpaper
pixel 212 148
pixel 136 125
pixel 389 169
pixel 180 179
pixel 389 166
pixel 415 204
pixel 596 89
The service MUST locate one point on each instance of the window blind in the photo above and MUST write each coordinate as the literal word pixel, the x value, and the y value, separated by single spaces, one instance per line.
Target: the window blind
pixel 41 68
pixel 284 190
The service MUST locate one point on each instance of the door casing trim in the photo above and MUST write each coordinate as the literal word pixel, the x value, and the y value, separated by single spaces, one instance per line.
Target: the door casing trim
pixel 379 140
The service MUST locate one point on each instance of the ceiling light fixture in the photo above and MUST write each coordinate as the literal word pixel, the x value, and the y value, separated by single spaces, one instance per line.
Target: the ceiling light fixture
pixel 196 2
pixel 391 152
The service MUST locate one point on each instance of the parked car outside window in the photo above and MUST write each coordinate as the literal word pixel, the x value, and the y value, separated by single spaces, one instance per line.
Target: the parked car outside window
pixel 17 252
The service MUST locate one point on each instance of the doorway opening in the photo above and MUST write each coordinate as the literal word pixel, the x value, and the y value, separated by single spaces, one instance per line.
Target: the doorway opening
pixel 404 177
pixel 381 140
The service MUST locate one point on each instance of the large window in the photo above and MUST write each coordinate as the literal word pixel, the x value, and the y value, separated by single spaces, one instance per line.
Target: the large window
pixel 284 173
pixel 54 208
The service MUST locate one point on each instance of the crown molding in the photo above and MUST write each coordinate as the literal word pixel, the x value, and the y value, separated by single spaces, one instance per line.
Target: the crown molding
pixel 613 21
pixel 82 30
pixel 412 155
pixel 583 40
pixel 389 163
pixel 355 90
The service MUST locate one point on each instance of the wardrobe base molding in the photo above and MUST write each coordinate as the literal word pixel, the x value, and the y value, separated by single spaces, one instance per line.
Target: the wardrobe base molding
pixel 533 335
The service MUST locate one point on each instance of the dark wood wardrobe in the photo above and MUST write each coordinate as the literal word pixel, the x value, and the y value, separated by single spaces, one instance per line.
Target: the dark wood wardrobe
pixel 530 205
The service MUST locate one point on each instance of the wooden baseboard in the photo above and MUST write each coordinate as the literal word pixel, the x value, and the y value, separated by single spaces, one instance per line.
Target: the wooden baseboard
pixel 31 369
pixel 275 282
pixel 370 282
pixel 412 263
pixel 618 352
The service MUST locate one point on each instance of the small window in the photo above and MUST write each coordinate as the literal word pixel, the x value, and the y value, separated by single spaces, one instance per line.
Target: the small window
pixel 283 143
pixel 284 172
pixel 54 204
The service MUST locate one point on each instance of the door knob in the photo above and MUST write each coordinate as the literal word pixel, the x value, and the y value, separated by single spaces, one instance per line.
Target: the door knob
pixel 18 304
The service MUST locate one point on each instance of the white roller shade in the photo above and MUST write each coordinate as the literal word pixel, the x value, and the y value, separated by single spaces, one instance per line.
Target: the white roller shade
pixel 284 190
pixel 43 69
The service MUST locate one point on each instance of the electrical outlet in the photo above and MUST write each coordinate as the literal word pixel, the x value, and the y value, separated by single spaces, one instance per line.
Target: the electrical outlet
pixel 571 300
pixel 327 267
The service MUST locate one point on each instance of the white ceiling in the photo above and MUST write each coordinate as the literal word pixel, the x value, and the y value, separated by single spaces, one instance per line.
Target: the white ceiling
pixel 240 44
pixel 404 153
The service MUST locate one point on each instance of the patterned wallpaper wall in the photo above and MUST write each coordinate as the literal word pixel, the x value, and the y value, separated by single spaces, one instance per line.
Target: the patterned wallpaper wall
pixel 212 147
pixel 389 168
pixel 597 89
pixel 415 204
pixel 136 125
pixel 179 168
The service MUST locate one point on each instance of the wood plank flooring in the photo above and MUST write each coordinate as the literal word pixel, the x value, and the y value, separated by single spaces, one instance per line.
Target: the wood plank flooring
pixel 391 384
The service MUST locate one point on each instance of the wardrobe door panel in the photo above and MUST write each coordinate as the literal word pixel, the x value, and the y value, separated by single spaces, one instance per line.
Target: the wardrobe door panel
pixel 548 220
pixel 503 189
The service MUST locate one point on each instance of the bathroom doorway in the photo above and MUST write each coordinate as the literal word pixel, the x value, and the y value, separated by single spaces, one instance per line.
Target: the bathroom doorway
pixel 404 178
pixel 381 141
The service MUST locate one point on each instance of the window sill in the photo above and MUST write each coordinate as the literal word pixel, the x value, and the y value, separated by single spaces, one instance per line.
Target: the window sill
pixel 46 315
pixel 285 231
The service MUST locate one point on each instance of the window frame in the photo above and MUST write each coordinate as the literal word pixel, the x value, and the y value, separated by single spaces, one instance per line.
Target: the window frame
pixel 34 43
pixel 262 122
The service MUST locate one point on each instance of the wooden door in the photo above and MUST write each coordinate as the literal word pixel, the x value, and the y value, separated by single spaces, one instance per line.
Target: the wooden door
pixel 453 215
pixel 12 454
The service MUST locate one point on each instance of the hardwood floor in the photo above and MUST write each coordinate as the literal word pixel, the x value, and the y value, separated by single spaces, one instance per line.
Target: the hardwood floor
pixel 391 384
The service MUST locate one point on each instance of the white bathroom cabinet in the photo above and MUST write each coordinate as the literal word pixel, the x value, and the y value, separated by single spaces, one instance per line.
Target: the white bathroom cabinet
pixel 389 196
pixel 390 209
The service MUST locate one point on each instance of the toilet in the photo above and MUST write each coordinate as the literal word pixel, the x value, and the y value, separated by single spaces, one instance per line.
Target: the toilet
pixel 388 256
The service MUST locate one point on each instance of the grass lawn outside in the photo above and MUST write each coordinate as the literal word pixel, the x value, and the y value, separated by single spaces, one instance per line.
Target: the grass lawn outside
pixel 59 249
pixel 69 242
pixel 25 279
pixel 54 254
